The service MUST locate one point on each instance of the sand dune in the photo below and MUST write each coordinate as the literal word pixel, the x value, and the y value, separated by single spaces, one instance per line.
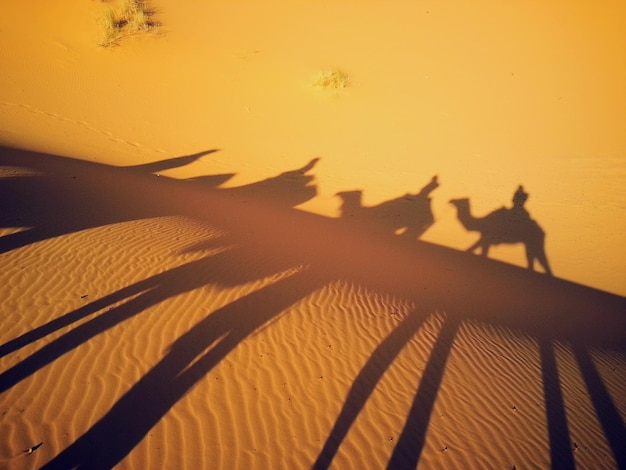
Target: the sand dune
pixel 265 335
pixel 208 261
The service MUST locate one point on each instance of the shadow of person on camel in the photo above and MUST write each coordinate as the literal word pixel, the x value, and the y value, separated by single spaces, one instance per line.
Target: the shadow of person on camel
pixel 409 215
pixel 506 225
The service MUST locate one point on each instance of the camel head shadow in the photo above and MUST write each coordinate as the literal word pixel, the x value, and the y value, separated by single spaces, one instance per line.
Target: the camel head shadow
pixel 506 226
pixel 287 189
pixel 409 215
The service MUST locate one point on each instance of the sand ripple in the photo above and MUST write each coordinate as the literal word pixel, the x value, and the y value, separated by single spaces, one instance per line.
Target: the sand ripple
pixel 163 342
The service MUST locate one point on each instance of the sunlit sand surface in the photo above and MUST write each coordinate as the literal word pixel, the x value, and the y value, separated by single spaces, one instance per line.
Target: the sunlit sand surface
pixel 210 261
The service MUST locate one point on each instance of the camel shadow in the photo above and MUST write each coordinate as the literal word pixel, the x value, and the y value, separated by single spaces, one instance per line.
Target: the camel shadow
pixel 293 251
pixel 408 216
pixel 137 412
pixel 159 287
pixel 58 197
pixel 506 225
pixel 550 310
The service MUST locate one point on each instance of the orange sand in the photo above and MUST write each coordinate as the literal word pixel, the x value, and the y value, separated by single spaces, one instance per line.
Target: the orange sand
pixel 180 291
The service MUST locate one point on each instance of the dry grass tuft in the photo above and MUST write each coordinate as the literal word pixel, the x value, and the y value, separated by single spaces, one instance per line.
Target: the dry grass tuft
pixel 332 79
pixel 111 28
pixel 133 17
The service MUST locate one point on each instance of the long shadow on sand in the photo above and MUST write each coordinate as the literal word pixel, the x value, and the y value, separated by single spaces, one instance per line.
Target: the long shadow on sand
pixel 506 225
pixel 295 252
pixel 289 188
pixel 141 408
pixel 519 312
pixel 408 216
pixel 54 198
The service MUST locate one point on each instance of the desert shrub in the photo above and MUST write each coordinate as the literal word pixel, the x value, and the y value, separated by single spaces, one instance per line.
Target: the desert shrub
pixel 131 18
pixel 333 79
pixel 111 28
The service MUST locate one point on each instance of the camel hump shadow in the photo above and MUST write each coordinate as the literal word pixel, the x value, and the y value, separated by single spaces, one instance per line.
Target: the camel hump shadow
pixel 506 226
pixel 409 215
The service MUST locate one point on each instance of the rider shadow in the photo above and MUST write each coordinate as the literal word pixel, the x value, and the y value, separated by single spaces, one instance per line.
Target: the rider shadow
pixel 543 317
pixel 408 216
pixel 506 226
pixel 208 342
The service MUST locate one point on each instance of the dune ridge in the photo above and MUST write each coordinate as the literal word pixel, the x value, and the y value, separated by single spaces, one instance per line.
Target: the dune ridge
pixel 192 311
pixel 202 264
pixel 230 335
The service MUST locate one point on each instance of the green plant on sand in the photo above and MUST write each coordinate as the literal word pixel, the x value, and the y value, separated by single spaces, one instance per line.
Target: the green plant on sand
pixel 332 79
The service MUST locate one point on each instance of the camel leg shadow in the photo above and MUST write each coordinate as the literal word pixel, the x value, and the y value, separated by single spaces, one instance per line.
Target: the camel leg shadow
pixel 365 383
pixel 540 256
pixel 558 429
pixel 112 438
pixel 608 414
pixel 484 249
pixel 411 442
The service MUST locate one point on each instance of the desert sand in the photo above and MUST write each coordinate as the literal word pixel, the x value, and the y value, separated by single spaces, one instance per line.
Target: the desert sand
pixel 211 261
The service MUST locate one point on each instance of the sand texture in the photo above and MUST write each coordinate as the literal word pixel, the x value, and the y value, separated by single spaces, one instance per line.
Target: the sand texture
pixel 227 240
